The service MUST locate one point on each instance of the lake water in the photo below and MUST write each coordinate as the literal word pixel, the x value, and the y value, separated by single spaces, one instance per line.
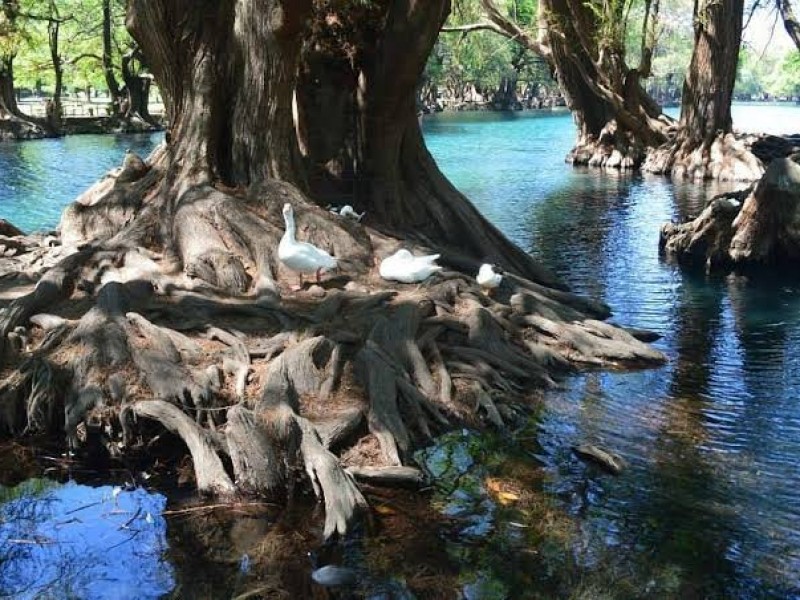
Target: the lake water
pixel 709 505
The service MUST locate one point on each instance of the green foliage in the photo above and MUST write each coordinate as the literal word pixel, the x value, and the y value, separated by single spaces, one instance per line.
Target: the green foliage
pixel 775 76
pixel 484 58
pixel 80 42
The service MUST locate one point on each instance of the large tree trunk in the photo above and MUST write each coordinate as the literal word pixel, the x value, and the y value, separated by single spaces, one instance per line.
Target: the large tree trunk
pixel 227 80
pixel 708 88
pixel 705 146
pixel 395 180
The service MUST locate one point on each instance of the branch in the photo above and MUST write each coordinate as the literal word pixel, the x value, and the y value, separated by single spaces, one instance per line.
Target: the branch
pixel 47 18
pixel 81 57
pixel 789 21
pixel 475 27
pixel 508 28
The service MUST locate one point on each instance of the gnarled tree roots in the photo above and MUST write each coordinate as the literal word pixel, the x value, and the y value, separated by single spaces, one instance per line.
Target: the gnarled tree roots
pixel 189 327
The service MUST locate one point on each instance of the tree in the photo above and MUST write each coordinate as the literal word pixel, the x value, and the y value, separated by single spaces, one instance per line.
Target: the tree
pixel 584 42
pixel 704 146
pixel 187 241
pixel 619 125
pixel 12 121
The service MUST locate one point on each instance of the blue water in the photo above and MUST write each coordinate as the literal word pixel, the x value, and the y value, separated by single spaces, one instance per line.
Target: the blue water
pixel 710 501
pixel 39 178
pixel 74 541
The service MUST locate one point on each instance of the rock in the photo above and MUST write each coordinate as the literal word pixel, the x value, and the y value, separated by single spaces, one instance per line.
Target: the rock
pixel 333 576
pixel 8 229
pixel 316 291
pixel 603 458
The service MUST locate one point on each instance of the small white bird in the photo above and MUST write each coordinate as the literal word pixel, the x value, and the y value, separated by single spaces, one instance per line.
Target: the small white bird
pixel 488 278
pixel 350 213
pixel 346 211
pixel 404 267
pixel 301 257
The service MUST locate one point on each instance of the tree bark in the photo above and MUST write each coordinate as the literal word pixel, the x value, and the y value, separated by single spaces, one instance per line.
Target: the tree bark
pixel 226 71
pixel 394 178
pixel 705 147
pixel 708 88
pixel 789 21
pixel 108 63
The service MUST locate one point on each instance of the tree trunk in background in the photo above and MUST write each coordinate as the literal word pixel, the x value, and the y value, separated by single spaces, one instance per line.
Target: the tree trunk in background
pixel 136 93
pixel 704 147
pixel 789 21
pixel 54 111
pixel 708 88
pixel 395 179
pixel 14 124
pixel 108 64
pixel 616 119
pixel 8 98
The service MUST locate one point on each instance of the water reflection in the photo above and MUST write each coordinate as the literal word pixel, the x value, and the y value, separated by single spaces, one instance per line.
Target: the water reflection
pixel 75 541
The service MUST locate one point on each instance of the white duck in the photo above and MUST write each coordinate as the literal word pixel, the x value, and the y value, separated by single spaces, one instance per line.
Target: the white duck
pixel 350 213
pixel 404 267
pixel 488 278
pixel 301 257
pixel 347 211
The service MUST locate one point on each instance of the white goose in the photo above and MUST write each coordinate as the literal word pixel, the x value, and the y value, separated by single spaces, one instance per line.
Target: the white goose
pixel 301 257
pixel 488 278
pixel 404 267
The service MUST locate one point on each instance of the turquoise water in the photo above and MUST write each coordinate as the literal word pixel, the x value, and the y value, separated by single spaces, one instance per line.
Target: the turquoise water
pixel 709 504
pixel 39 178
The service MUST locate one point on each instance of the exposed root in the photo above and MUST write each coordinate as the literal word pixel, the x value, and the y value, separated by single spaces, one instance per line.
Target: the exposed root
pixel 209 472
pixel 725 158
pixel 755 226
pixel 196 333
pixel 613 149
